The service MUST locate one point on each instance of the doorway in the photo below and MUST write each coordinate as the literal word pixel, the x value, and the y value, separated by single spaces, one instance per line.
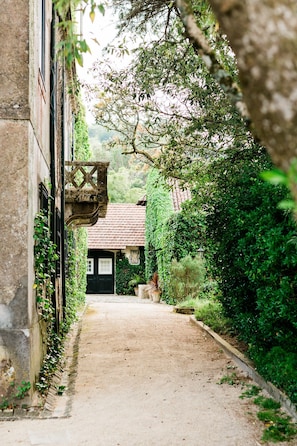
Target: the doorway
pixel 100 272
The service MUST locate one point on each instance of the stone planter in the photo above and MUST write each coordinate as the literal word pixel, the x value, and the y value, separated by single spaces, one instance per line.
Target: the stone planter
pixel 156 295
pixel 143 291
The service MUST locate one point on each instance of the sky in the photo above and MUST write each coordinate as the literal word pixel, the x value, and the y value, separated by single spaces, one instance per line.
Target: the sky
pixel 103 29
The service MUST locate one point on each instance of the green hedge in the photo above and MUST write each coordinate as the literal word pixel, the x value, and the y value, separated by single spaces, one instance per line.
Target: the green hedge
pixel 252 254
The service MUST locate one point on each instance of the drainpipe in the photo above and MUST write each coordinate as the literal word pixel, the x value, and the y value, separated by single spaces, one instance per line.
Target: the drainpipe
pixel 52 143
pixel 63 228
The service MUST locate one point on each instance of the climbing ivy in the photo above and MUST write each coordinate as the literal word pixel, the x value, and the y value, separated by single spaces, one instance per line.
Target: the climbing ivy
pixel 125 272
pixel 45 258
pixel 158 210
pixel 45 263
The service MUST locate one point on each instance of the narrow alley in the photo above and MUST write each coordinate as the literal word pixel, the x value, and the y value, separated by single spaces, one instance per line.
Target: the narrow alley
pixel 144 376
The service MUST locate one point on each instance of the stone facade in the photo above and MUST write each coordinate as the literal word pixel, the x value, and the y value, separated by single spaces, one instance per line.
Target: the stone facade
pixel 35 138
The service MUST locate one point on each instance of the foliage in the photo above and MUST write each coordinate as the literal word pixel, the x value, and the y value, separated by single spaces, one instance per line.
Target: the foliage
pixel 75 286
pixel 76 281
pixel 164 107
pixel 20 393
pixel 121 186
pixel 82 145
pixel 185 231
pixel 249 251
pixel 186 278
pixel 247 239
pixel 158 210
pixel 278 365
pixel 126 175
pixel 278 426
pixel 51 361
pixel 211 312
pixel 136 280
pixel 45 258
pixel 73 46
pixel 125 273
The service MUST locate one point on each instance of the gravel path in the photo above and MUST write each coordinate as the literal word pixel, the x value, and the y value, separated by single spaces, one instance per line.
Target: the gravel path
pixel 145 377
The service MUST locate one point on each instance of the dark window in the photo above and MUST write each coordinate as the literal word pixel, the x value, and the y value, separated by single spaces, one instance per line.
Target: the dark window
pixel 43 198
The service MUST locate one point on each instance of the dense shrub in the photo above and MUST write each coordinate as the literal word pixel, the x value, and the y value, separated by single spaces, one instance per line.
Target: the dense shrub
pixel 186 278
pixel 249 249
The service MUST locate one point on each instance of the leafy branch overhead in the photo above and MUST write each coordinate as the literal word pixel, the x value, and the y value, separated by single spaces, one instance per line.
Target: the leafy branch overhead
pixel 164 106
pixel 73 45
pixel 263 37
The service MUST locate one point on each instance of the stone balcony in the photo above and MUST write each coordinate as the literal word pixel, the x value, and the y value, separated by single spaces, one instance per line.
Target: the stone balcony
pixel 85 192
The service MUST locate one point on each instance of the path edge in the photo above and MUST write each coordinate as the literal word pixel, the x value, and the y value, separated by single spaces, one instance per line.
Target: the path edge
pixel 246 365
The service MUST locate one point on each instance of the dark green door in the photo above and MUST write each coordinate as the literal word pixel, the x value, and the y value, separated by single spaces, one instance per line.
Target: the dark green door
pixel 100 272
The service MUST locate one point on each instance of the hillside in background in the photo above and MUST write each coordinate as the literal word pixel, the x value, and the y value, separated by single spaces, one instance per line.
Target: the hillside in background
pixel 126 174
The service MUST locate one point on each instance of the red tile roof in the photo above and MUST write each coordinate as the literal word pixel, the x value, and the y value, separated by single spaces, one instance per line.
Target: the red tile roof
pixel 123 226
pixel 179 196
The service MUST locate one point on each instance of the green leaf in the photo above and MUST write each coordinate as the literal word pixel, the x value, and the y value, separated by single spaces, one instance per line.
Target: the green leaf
pixel 275 177
pixel 101 8
pixel 286 205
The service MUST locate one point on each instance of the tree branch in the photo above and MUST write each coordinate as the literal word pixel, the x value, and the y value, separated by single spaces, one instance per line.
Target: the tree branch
pixel 201 46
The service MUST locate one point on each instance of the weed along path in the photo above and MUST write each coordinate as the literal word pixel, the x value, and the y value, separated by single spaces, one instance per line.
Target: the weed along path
pixel 145 376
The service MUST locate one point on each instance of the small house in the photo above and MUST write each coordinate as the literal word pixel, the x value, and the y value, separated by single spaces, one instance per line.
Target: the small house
pixel 120 233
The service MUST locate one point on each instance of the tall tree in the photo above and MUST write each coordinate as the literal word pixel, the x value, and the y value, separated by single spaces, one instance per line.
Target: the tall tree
pixel 165 105
pixel 263 36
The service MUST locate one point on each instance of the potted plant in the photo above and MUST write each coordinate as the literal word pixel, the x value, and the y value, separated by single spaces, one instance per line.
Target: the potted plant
pixel 135 281
pixel 155 290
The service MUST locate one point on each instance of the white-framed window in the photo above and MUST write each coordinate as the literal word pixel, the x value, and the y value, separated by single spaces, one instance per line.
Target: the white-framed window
pixel 134 258
pixel 90 266
pixel 104 266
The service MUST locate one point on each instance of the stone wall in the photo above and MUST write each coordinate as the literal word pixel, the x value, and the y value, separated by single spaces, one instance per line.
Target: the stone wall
pixel 24 143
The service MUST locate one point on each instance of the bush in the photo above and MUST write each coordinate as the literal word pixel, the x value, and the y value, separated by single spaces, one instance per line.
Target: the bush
pixel 211 312
pixel 279 366
pixel 249 249
pixel 185 278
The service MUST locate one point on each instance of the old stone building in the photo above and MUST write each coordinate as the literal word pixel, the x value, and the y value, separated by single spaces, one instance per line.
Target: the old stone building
pixel 36 121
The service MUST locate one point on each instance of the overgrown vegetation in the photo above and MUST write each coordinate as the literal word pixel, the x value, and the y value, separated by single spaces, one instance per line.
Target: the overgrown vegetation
pixel 279 427
pixel 15 395
pixel 185 278
pixel 45 263
pixel 45 257
pixel 249 250
pixel 125 273
pixel 211 312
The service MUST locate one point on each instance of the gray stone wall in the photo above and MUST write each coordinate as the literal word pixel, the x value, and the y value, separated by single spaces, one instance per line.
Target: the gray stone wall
pixel 14 67
pixel 24 143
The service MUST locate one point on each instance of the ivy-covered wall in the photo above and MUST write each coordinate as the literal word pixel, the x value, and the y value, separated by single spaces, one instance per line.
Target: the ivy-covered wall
pixel 125 272
pixel 158 210
pixel 169 234
pixel 76 282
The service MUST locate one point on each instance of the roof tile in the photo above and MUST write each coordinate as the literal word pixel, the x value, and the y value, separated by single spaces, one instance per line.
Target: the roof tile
pixel 124 225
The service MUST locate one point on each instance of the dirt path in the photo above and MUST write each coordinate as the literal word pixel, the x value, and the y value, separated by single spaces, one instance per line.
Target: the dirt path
pixel 145 377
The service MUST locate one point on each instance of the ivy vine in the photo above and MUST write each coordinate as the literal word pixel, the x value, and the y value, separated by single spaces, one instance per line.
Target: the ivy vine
pixel 45 263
